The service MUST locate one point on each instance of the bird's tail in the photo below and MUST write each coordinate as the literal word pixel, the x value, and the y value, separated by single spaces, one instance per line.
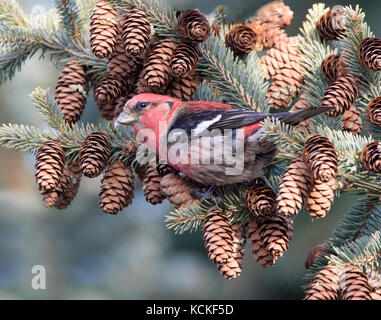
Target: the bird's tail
pixel 294 118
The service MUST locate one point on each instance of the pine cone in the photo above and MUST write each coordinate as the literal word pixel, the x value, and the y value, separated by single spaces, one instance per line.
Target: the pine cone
pixel 373 111
pixel 177 190
pixel 371 157
pixel 260 253
pixel 136 32
pixel 352 121
pixel 355 284
pixel 103 29
pixel 325 285
pixel 109 89
pixel 183 89
pixel 276 233
pixel 321 157
pixel 284 55
pixel 218 236
pixel 232 268
pixel 120 65
pixel 260 199
pixel 276 13
pixel 157 71
pixel 341 94
pixel 294 188
pixel 332 67
pixel 71 91
pixel 268 35
pixel 94 154
pixel 369 54
pixel 241 40
pixel 117 190
pixel 288 78
pixel 72 175
pixel 320 199
pixel 50 164
pixel 151 186
pixel 332 24
pixel 193 27
pixel 313 254
pixel 184 60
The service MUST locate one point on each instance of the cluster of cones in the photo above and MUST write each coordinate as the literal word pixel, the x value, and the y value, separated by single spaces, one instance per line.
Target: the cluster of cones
pixel 282 61
pixel 309 180
pixel 269 235
pixel 346 282
pixel 138 61
pixel 59 181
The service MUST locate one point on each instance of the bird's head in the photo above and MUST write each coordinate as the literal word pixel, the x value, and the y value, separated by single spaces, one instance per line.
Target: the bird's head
pixel 146 110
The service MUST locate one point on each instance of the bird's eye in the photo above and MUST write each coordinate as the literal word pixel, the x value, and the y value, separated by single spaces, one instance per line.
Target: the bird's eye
pixel 143 105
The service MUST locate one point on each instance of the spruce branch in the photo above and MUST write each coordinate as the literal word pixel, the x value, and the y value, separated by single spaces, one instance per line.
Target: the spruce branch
pixel 185 219
pixel 70 18
pixel 12 14
pixel 48 108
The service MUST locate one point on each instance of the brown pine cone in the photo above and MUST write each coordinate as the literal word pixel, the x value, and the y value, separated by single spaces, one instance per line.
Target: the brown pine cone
pixel 193 27
pixel 313 254
pixel 284 55
pixel 341 94
pixel 260 199
pixel 177 190
pixel 151 186
pixel 103 29
pixel 241 40
pixel 332 24
pixel 371 157
pixel 369 54
pixel 232 268
pixel 49 167
pixel 218 236
pixel 268 35
pixel 321 157
pixel 260 253
pixel 294 189
pixel 72 174
pixel 276 233
pixel 320 199
pixel 183 89
pixel 355 284
pixel 157 71
pixel 332 67
pixel 352 121
pixel 136 32
pixel 288 76
pixel 122 66
pixel 184 60
pixel 94 154
pixel 325 285
pixel 117 190
pixel 276 13
pixel 109 89
pixel 71 91
pixel 373 111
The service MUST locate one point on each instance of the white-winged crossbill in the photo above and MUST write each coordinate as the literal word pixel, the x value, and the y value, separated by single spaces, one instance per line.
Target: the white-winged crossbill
pixel 212 143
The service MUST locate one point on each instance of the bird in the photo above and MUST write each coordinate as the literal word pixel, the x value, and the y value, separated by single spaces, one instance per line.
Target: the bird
pixel 212 143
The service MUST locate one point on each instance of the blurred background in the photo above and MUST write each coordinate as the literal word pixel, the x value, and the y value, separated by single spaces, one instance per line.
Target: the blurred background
pixel 89 255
